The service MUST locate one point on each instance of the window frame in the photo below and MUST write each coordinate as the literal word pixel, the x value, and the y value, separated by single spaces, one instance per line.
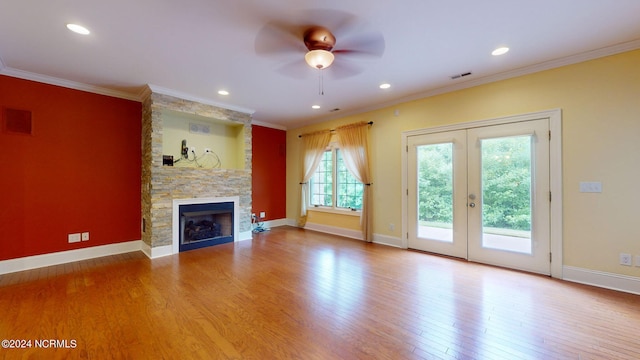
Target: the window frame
pixel 333 148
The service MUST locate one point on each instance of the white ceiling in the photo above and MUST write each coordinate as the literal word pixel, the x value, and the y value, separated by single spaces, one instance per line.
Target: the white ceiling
pixel 193 48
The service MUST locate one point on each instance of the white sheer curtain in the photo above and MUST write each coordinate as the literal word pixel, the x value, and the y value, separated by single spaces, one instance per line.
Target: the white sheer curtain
pixel 354 144
pixel 313 146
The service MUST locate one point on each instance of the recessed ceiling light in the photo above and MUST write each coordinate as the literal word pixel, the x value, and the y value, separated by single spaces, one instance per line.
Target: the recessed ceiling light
pixel 223 92
pixel 78 29
pixel 315 107
pixel 500 51
pixel 385 86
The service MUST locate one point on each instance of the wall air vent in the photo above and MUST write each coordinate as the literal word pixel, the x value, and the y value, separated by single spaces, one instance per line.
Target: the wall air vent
pixel 457 76
pixel 17 121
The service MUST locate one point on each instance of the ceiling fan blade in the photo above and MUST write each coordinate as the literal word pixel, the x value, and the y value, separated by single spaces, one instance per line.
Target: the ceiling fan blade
pixel 296 69
pixel 335 20
pixel 370 44
pixel 342 69
pixel 279 38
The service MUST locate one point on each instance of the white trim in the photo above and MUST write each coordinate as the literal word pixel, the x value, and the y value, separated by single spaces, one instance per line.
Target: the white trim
pixel 555 186
pixel 156 252
pixel 245 235
pixel 45 79
pixel 388 240
pixel 272 223
pixel 269 125
pixel 629 284
pixel 175 217
pixel 63 257
pixel 555 173
pixel 334 230
pixel 186 96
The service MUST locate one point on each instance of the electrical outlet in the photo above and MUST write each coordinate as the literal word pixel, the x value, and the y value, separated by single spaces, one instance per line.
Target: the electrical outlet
pixel 85 236
pixel 625 259
pixel 74 238
pixel 392 227
pixel 263 214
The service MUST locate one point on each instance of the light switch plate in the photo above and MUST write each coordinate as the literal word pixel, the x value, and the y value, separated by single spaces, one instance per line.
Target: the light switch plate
pixel 590 186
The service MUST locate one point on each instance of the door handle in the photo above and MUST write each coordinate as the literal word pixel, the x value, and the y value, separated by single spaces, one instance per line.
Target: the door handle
pixel 472 205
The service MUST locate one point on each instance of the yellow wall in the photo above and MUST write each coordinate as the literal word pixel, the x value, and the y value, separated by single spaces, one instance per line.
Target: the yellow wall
pixel 600 102
pixel 225 140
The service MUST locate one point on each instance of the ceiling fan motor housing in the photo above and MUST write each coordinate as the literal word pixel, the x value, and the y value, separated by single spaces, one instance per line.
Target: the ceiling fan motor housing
pixel 319 38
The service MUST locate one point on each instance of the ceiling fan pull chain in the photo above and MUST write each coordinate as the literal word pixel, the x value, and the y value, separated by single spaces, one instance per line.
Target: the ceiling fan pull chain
pixel 321 83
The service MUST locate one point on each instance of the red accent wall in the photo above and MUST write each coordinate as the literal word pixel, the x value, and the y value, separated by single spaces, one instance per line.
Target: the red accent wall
pixel 78 171
pixel 269 168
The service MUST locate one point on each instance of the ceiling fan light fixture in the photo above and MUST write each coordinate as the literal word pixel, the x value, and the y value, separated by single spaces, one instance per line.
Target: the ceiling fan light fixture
pixel 319 59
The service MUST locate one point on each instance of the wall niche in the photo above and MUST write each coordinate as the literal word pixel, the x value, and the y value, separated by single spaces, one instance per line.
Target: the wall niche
pixel 200 142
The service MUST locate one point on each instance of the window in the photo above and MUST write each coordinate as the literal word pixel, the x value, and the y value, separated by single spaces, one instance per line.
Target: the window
pixel 333 186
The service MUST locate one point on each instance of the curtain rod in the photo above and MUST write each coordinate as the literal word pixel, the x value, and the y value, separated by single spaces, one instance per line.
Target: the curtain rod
pixel 332 130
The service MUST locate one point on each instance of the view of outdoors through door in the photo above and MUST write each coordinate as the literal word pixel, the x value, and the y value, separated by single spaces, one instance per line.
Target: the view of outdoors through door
pixel 506 193
pixel 435 191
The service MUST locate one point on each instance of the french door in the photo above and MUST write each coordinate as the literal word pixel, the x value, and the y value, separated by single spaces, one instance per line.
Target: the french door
pixel 482 194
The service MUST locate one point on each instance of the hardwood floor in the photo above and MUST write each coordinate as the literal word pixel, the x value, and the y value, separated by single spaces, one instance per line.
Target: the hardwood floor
pixel 296 294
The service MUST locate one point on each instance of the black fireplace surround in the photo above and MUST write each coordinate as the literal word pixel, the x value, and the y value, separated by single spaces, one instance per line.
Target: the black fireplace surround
pixel 204 225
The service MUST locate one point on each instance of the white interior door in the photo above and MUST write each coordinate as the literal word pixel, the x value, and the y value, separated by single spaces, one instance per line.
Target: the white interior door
pixel 482 194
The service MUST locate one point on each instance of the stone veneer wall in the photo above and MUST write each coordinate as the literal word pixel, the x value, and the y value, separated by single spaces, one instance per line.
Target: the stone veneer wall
pixel 162 184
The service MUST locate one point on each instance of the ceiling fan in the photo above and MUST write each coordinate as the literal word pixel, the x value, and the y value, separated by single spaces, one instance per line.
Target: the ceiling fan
pixel 320 38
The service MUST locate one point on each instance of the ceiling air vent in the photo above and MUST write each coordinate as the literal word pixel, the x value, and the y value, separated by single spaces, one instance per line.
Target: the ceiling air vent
pixel 334 110
pixel 457 76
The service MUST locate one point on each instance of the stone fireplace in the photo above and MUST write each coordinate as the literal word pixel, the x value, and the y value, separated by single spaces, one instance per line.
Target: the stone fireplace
pixel 165 186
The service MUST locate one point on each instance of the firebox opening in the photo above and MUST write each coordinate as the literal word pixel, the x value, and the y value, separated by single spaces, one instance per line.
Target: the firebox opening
pixel 205 225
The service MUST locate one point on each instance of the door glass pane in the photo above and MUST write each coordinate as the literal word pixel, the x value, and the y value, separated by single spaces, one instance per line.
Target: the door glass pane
pixel 435 191
pixel 506 193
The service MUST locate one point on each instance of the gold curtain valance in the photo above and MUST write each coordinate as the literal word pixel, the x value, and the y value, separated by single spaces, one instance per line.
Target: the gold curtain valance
pixel 362 123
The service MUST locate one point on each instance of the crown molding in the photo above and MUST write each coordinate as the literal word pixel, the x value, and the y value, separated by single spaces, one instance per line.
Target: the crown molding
pixel 26 75
pixel 269 125
pixel 186 96
pixel 547 65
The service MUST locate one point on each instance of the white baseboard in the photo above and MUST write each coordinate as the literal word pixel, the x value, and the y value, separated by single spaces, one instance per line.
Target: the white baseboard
pixel 630 284
pixel 334 230
pixel 63 257
pixel 158 251
pixel 355 234
pixel 246 235
pixel 388 240
pixel 274 223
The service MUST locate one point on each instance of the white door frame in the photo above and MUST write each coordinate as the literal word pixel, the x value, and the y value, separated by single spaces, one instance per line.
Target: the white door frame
pixel 555 173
